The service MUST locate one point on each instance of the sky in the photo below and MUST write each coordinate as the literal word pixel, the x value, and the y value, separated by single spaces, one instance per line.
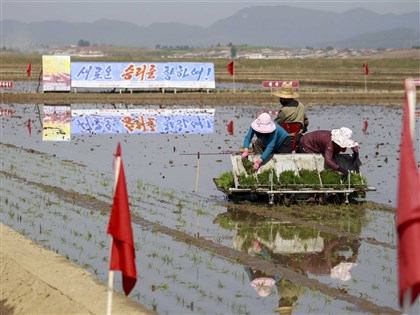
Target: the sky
pixel 190 12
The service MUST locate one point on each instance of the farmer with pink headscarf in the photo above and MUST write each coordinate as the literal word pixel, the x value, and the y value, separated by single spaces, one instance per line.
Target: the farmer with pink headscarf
pixel 330 144
pixel 271 138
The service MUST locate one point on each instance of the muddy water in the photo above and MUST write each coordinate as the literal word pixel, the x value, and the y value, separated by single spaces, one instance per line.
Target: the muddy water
pixel 337 270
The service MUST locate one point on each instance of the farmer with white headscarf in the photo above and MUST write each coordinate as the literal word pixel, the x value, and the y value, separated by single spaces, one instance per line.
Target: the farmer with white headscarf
pixel 330 144
pixel 271 138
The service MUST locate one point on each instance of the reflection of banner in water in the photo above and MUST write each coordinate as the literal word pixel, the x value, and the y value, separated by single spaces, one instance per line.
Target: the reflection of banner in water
pixel 134 121
pixel 56 73
pixel 56 123
pixel 142 75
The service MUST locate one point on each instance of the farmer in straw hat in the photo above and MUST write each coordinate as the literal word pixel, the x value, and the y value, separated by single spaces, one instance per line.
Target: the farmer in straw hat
pixel 292 110
pixel 271 138
pixel 330 144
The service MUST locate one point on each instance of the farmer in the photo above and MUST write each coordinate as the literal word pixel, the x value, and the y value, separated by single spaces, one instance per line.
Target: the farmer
pixel 292 110
pixel 330 144
pixel 271 138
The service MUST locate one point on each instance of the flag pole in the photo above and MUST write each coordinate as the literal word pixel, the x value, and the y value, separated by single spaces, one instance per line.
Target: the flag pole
pixel 233 82
pixel 406 302
pixel 365 66
pixel 117 162
pixel 198 171
pixel 110 288
pixel 365 83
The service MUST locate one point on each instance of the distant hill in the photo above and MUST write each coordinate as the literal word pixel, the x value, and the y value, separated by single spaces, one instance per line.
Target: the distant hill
pixel 280 26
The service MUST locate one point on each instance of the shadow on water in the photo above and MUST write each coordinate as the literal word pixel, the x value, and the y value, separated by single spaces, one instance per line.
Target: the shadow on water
pixel 198 254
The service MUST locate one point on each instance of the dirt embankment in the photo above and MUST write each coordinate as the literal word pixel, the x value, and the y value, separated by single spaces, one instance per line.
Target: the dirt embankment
pixel 37 281
pixel 374 97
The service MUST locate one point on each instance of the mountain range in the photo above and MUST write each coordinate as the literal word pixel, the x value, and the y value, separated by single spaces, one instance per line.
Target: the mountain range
pixel 279 26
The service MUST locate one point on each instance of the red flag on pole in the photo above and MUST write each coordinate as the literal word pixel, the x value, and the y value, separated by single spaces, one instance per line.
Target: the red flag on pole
pixel 230 68
pixel 122 252
pixel 28 71
pixel 230 127
pixel 28 124
pixel 365 65
pixel 408 206
pixel 365 126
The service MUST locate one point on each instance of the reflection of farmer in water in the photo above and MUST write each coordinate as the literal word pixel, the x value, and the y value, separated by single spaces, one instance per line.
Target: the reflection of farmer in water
pixel 289 292
pixel 336 259
pixel 300 248
pixel 265 284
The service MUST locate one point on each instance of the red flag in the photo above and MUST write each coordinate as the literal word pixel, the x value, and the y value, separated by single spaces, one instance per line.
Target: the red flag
pixel 230 127
pixel 122 253
pixel 365 126
pixel 408 209
pixel 230 68
pixel 365 65
pixel 28 124
pixel 28 71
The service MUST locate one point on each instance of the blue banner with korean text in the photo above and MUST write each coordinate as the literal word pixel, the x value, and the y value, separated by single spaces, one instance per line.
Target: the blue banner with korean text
pixel 136 121
pixel 134 75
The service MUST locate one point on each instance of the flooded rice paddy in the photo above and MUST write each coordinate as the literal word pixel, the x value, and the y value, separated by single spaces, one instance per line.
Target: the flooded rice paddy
pixel 196 253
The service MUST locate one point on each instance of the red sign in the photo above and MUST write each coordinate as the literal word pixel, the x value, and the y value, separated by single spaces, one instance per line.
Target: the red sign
pixel 6 84
pixel 277 84
pixel 7 112
pixel 270 112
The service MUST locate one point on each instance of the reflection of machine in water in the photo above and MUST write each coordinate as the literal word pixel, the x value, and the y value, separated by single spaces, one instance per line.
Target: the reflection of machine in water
pixel 300 248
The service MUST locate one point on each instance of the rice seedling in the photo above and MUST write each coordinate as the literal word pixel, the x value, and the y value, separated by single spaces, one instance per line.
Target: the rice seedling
pixel 331 179
pixel 309 178
pixel 247 181
pixel 375 286
pixel 22 232
pixel 11 214
pixel 169 195
pixel 167 260
pixel 201 212
pixel 358 180
pixel 197 259
pixel 193 286
pixel 248 166
pixel 163 286
pixel 264 178
pixel 154 305
pixel 226 181
pixel 288 179
pixel 182 222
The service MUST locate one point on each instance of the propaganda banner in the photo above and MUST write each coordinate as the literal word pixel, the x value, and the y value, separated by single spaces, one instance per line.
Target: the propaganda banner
pixel 133 75
pixel 56 73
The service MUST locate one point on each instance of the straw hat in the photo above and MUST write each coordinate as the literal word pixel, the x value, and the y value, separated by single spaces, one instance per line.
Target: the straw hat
pixel 286 91
pixel 343 138
pixel 263 124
